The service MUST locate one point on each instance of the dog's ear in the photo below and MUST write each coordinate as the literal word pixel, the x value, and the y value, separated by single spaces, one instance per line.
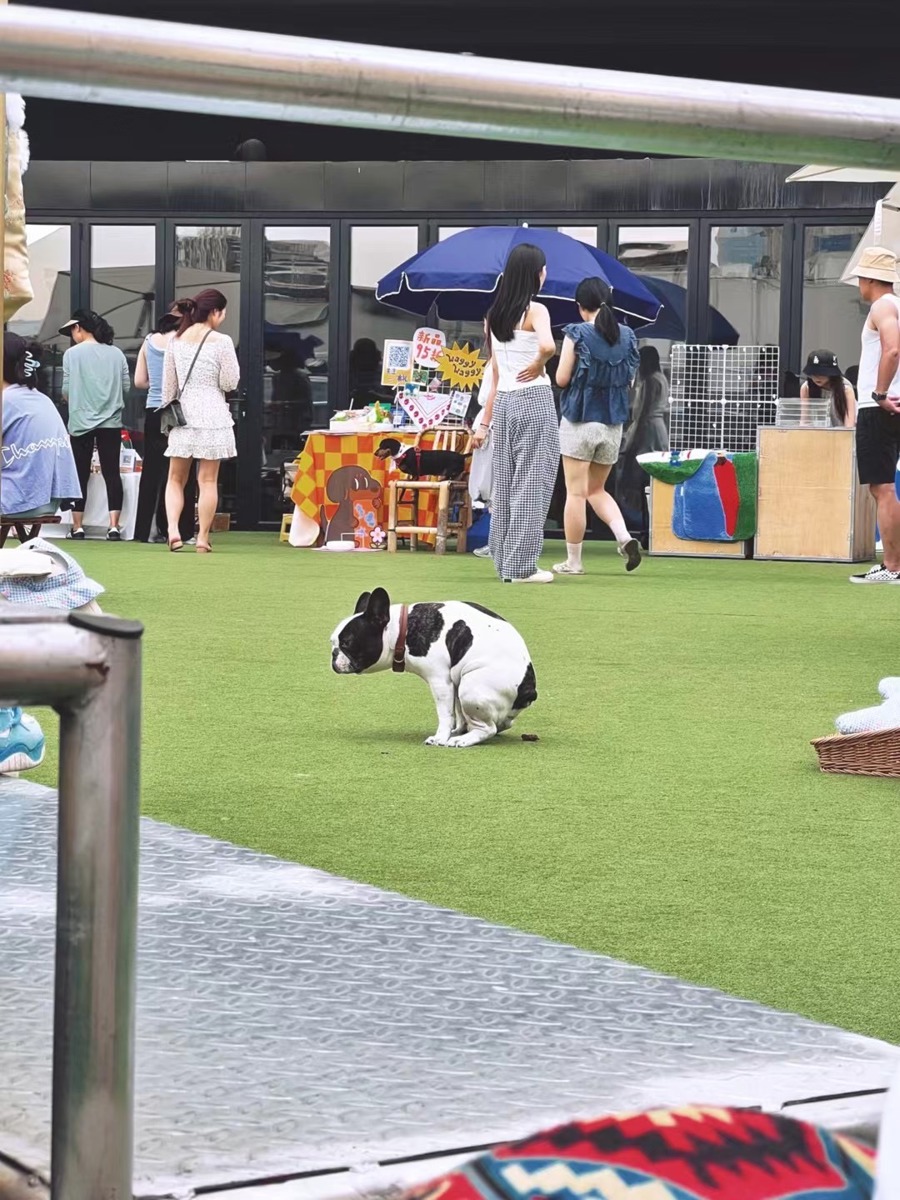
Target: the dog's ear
pixel 362 602
pixel 378 608
pixel 337 488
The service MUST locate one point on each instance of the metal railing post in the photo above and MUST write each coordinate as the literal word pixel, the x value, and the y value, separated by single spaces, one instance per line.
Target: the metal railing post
pixel 89 669
pixel 229 72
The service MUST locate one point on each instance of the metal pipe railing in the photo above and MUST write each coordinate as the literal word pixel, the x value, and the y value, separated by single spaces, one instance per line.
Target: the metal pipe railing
pixel 89 669
pixel 119 60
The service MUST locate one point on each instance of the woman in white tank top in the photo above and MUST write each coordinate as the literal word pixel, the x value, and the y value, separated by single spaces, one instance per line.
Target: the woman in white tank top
pixel 520 414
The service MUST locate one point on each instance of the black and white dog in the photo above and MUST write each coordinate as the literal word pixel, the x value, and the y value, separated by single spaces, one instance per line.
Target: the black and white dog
pixel 476 664
pixel 444 465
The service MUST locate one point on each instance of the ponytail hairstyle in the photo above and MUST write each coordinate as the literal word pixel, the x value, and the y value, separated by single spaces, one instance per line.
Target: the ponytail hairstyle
pixel 20 361
pixel 98 327
pixel 198 309
pixel 168 322
pixel 519 285
pixel 594 295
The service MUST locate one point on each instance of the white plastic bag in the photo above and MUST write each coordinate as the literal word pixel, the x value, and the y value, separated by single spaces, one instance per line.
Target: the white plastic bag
pixel 480 472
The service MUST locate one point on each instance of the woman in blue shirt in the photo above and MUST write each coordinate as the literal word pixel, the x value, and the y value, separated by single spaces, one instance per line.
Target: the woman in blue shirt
pixel 597 364
pixel 148 375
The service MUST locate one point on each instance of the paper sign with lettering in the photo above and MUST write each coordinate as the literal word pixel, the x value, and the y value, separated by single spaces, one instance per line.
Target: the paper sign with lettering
pixel 426 409
pixel 461 367
pixel 397 363
pixel 428 346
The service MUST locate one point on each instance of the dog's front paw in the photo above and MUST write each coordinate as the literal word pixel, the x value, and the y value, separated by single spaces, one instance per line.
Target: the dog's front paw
pixel 459 731
pixel 436 740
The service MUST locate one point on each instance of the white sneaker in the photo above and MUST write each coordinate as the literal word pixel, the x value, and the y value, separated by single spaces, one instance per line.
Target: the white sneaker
pixel 631 552
pixel 567 568
pixel 877 574
pixel 482 552
pixel 537 577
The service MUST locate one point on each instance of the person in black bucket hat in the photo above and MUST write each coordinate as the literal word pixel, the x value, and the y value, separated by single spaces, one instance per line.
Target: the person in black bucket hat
pixel 825 380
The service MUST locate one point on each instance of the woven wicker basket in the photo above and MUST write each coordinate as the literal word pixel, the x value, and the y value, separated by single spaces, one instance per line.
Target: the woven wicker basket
pixel 861 753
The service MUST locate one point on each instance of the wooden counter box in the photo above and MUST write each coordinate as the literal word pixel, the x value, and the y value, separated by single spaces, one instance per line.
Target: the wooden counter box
pixel 811 504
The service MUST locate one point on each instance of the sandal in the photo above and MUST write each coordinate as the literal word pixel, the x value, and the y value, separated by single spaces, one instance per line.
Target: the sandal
pixel 175 544
pixel 204 548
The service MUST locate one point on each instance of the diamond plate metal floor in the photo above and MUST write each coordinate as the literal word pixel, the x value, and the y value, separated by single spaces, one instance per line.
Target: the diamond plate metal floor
pixel 291 1021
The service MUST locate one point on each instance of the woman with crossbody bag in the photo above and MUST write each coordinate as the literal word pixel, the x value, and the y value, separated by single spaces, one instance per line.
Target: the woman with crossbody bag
pixel 201 367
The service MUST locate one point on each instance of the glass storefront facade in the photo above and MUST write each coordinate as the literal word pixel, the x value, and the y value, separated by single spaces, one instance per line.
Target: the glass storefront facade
pixel 300 280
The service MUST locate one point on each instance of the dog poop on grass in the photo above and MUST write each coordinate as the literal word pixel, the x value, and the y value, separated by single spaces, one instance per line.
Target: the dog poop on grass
pixel 530 737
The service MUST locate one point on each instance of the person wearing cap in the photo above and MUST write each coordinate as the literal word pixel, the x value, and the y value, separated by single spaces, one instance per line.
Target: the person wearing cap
pixel 878 406
pixel 95 380
pixel 825 380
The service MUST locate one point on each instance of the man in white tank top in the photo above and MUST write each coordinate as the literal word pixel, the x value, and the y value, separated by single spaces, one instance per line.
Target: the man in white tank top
pixel 878 408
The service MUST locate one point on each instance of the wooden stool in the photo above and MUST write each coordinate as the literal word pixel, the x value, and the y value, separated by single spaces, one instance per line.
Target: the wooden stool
pixel 25 531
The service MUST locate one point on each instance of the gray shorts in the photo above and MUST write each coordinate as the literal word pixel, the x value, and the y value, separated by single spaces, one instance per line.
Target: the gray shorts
pixel 590 441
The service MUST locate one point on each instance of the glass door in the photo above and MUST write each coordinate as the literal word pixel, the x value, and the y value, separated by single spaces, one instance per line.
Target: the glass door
pixel 211 256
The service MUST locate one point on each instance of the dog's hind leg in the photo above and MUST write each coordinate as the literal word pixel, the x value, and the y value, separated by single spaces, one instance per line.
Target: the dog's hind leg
pixel 478 732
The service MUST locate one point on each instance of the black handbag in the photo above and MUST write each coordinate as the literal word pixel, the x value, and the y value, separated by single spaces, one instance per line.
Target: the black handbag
pixel 171 415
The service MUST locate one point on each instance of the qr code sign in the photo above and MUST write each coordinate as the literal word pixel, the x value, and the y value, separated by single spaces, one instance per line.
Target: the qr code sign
pixel 399 357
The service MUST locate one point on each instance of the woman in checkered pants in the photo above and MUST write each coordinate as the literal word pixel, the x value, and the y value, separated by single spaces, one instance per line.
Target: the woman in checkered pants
pixel 520 415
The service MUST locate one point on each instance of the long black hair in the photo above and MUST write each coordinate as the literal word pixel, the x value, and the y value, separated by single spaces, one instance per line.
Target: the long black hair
pixel 649 364
pixel 593 295
pixel 20 361
pixel 98 327
pixel 520 284
pixel 835 390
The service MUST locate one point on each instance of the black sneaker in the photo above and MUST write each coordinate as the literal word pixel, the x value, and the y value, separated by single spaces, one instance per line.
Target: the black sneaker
pixel 76 535
pixel 631 552
pixel 114 534
pixel 877 574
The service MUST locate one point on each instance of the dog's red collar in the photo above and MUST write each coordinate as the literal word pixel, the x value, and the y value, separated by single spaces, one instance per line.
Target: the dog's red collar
pixel 399 663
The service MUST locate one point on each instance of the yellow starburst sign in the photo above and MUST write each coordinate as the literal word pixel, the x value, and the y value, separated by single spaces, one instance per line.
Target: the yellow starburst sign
pixel 461 367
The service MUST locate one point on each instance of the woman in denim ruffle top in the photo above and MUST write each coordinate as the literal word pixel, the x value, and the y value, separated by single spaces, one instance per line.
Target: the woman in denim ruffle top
pixel 597 364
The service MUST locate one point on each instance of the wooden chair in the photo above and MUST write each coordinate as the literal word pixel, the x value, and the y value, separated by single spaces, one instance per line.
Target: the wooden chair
pixel 451 493
pixel 25 530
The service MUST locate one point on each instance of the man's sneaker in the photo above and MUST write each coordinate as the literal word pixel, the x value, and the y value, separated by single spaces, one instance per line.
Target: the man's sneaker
pixel 877 574
pixel 22 742
pixel 482 552
pixel 631 552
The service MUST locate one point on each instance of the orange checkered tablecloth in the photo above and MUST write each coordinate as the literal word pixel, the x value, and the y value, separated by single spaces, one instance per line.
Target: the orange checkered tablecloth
pixel 334 465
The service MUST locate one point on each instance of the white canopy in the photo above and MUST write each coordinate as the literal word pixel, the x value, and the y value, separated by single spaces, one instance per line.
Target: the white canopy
pixel 884 230
pixel 817 174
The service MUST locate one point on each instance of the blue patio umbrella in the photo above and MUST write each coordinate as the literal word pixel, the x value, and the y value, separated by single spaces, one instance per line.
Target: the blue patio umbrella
pixel 460 276
pixel 671 326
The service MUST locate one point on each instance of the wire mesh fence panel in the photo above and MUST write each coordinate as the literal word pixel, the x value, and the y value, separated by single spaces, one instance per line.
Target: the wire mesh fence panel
pixel 720 395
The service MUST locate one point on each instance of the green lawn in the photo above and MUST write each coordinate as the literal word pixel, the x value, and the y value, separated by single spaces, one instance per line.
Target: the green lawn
pixel 671 814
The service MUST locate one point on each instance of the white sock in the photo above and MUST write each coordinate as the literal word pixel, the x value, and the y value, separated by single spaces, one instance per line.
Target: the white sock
pixel 573 549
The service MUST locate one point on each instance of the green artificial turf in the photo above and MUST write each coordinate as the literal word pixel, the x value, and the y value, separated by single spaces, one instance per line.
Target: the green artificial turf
pixel 671 813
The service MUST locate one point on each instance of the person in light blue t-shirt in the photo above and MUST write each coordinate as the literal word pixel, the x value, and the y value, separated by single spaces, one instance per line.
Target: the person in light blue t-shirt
pixel 95 380
pixel 38 468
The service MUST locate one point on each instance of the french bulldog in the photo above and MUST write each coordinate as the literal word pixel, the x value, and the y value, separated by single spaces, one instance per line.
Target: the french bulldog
pixel 476 664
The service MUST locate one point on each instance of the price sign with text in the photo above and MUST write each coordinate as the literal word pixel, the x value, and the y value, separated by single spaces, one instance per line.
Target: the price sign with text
pixel 428 346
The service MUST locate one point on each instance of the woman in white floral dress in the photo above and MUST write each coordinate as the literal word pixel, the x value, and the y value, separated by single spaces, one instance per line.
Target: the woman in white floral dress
pixel 201 367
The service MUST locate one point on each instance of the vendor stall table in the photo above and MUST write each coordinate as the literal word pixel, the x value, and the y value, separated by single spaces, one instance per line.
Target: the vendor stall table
pixel 811 503
pixel 333 469
pixel 96 510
